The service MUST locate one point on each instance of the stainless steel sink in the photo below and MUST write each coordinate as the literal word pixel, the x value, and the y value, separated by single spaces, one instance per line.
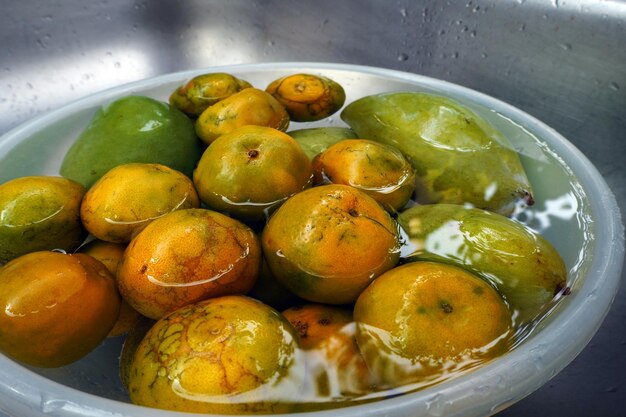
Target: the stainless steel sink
pixel 563 62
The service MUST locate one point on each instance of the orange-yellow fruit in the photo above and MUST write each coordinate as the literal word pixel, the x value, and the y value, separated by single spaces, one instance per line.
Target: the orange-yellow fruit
pixel 187 256
pixel 204 90
pixel 376 169
pixel 128 197
pixel 308 97
pixel 251 171
pixel 423 321
pixel 326 333
pixel 327 243
pixel 56 307
pixel 226 355
pixel 110 254
pixel 247 107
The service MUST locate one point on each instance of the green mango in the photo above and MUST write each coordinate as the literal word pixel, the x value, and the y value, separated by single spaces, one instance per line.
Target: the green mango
pixel 459 158
pixel 519 262
pixel 316 140
pixel 132 129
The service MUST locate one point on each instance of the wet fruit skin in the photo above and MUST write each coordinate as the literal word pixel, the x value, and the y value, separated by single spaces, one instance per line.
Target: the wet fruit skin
pixel 308 97
pixel 250 106
pixel 327 243
pixel 225 355
pixel 204 90
pixel 458 157
pixel 128 197
pixel 378 170
pixel 521 263
pixel 110 254
pixel 39 213
pixel 418 319
pixel 132 129
pixel 56 307
pixel 187 256
pixel 316 140
pixel 326 333
pixel 250 171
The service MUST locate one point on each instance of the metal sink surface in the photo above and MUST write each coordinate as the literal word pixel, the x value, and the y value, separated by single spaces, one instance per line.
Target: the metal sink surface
pixel 563 62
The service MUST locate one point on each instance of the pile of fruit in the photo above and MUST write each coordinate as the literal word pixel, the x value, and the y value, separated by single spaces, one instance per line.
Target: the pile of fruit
pixel 257 269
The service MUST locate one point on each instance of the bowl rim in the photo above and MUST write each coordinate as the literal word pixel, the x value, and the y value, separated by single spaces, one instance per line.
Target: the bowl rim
pixel 34 393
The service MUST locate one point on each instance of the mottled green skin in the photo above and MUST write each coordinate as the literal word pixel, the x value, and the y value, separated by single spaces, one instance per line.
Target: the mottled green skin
pixel 317 139
pixel 526 269
pixel 204 90
pixel 132 129
pixel 458 157
pixel 39 213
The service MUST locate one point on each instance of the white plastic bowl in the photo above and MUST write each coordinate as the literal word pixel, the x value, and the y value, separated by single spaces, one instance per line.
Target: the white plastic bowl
pixel 575 210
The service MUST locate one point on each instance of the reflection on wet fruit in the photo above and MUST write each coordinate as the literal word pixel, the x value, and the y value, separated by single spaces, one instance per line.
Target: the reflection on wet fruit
pixel 226 355
pixel 423 320
pixel 187 256
pixel 326 333
pixel 314 243
pixel 128 197
pixel 378 170
pixel 39 213
pixel 56 307
pixel 247 107
pixel 110 254
pixel 525 268
pixel 250 171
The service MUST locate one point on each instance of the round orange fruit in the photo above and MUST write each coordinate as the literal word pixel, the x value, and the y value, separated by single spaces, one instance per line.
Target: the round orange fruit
pixel 56 307
pixel 187 256
pixel 327 243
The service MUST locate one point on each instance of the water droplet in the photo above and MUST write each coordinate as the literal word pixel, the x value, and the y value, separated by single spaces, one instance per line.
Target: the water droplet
pixel 403 12
pixel 455 55
pixel 614 86
pixel 522 27
pixel 555 3
pixel 117 65
pixel 611 389
pixel 484 55
pixel 565 46
pixel 402 56
pixel 271 43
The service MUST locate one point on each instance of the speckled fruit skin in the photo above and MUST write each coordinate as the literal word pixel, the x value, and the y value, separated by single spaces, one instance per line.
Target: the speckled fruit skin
pixel 327 243
pixel 378 170
pixel 249 106
pixel 187 256
pixel 308 97
pixel 226 355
